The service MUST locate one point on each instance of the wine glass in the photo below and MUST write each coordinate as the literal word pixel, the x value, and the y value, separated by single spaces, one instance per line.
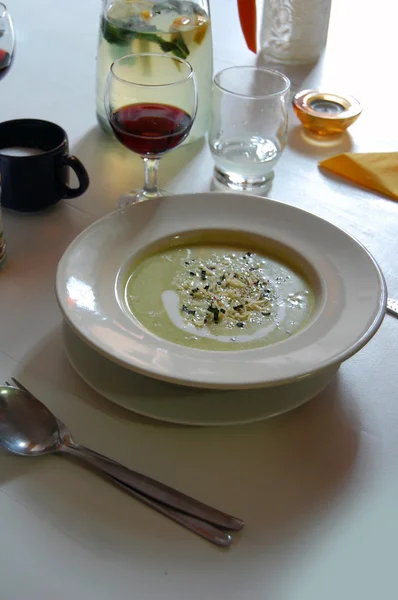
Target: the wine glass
pixel 7 40
pixel 151 103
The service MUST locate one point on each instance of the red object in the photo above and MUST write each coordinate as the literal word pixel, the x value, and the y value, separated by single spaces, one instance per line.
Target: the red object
pixel 248 22
pixel 5 62
pixel 150 129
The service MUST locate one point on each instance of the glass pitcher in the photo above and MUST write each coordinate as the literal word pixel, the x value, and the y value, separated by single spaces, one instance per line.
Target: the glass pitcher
pixel 179 28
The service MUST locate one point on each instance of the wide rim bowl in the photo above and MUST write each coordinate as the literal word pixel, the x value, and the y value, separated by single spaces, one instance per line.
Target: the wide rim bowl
pixel 350 289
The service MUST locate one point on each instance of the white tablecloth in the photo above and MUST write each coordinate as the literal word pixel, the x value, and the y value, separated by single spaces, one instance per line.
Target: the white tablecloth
pixel 318 487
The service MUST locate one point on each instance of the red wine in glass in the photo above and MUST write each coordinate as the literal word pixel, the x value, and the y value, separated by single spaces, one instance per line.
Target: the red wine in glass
pixel 150 129
pixel 5 62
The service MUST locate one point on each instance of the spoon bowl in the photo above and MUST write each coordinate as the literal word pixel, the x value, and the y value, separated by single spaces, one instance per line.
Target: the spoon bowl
pixel 27 427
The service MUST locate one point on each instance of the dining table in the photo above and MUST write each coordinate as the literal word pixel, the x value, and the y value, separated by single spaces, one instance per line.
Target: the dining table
pixel 317 486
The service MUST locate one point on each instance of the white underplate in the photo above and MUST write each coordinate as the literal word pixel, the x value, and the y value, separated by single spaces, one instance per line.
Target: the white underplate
pixel 350 290
pixel 186 405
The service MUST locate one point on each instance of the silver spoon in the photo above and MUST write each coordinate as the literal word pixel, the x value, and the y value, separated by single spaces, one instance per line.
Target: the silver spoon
pixel 28 428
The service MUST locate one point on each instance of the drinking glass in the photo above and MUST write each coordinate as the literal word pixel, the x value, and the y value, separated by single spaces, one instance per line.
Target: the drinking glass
pixel 249 126
pixel 7 40
pixel 151 103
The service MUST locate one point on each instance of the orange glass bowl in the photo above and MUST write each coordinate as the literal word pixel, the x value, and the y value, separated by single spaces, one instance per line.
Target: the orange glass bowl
pixel 325 113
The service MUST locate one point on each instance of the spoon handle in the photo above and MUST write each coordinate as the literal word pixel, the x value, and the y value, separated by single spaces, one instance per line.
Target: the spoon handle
pixel 151 488
pixel 205 530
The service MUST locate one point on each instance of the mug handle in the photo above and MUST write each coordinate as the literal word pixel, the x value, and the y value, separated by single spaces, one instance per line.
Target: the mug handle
pixel 81 174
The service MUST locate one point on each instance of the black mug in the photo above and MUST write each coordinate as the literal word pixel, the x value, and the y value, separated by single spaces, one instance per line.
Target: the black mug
pixel 34 165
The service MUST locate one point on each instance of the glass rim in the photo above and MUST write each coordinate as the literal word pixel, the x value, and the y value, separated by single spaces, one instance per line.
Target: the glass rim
pixel 190 74
pixel 3 14
pixel 252 68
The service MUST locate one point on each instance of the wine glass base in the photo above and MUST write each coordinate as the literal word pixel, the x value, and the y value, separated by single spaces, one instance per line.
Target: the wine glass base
pixel 136 196
pixel 239 183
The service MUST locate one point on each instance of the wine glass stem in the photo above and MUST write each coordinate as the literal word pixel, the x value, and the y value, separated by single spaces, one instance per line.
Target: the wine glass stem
pixel 150 189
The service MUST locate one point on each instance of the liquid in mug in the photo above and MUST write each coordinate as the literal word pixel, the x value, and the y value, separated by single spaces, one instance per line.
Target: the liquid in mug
pixel 21 151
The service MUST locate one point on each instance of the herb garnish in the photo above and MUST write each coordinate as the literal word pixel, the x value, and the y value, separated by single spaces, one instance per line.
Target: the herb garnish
pixel 223 291
pixel 215 311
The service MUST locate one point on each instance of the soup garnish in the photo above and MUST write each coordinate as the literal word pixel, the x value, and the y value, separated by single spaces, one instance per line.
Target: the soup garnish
pixel 230 288
pixel 218 297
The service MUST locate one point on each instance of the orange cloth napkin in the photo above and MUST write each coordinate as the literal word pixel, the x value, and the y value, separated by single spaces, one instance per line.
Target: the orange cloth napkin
pixel 378 171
